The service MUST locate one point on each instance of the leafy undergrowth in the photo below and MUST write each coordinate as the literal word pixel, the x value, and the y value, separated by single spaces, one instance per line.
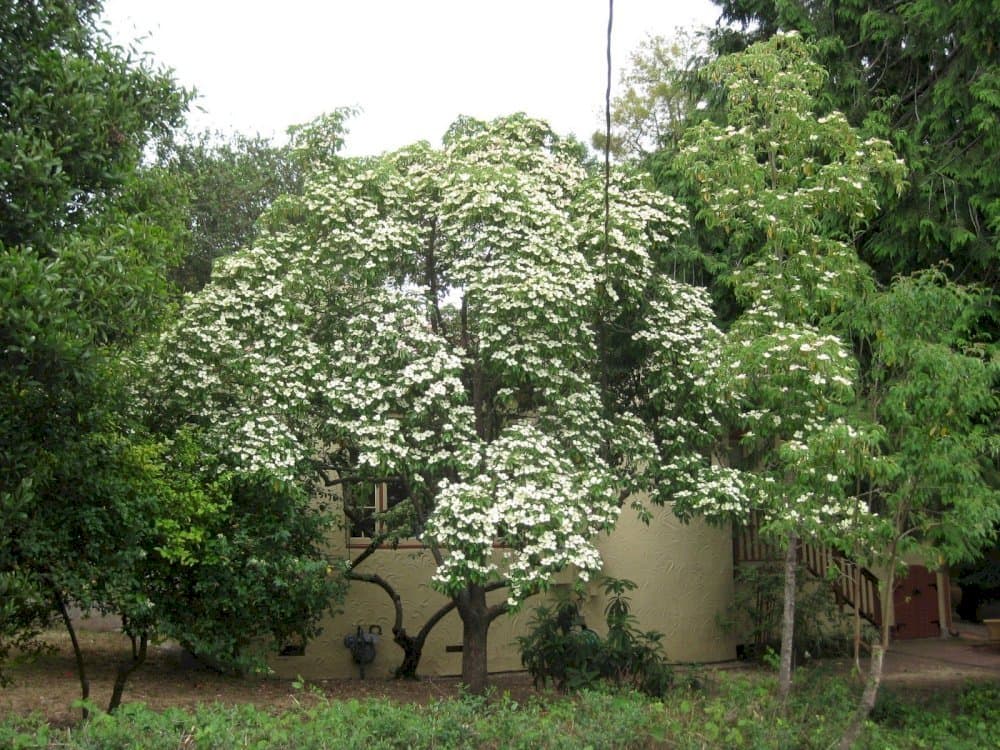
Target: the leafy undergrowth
pixel 728 711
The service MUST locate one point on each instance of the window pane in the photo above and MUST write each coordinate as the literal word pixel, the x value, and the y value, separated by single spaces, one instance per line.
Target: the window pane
pixel 395 493
pixel 364 508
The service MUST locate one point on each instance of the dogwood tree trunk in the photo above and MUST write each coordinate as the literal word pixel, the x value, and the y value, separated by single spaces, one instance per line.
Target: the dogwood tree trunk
pixel 788 619
pixel 475 627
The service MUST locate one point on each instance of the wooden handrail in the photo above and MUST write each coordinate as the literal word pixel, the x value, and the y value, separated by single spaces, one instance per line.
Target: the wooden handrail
pixel 852 584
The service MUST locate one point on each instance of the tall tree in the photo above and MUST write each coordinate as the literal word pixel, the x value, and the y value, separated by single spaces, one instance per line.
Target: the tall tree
pixel 924 74
pixel 86 237
pixel 77 113
pixel 94 510
pixel 436 316
pixel 868 411
pixel 788 187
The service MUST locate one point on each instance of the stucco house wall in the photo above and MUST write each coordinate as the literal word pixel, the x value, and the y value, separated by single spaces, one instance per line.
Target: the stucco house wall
pixel 684 575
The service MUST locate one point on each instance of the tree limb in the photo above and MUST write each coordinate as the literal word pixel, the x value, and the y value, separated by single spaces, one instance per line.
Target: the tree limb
pixel 388 588
pixel 368 551
pixel 431 279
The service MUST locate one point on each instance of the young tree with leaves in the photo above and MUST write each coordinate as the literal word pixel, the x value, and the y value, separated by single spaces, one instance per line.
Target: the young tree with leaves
pixel 437 317
pixel 788 188
pixel 932 388
pixel 868 413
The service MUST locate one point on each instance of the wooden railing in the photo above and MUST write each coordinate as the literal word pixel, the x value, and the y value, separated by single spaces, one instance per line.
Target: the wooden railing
pixel 852 584
pixel 748 546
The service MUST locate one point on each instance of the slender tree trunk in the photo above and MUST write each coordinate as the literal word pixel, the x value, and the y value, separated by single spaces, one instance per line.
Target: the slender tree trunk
pixel 944 600
pixel 77 652
pixel 867 700
pixel 125 670
pixel 858 589
pixel 475 626
pixel 788 619
pixel 413 645
pixel 870 694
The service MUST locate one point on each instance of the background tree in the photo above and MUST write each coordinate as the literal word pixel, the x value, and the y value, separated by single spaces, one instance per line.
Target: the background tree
pixel 656 100
pixel 923 74
pixel 434 314
pixel 229 182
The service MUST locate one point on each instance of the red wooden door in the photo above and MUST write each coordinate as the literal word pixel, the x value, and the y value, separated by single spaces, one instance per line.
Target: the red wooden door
pixel 915 601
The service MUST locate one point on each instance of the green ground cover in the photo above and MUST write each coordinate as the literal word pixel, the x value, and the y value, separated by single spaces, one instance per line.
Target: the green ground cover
pixel 727 711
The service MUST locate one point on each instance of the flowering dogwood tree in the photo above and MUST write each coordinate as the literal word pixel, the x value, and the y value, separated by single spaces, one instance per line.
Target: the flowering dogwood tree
pixel 788 188
pixel 876 456
pixel 448 318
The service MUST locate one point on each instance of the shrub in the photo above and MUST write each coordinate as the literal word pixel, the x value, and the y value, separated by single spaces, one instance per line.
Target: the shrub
pixel 561 648
pixel 821 627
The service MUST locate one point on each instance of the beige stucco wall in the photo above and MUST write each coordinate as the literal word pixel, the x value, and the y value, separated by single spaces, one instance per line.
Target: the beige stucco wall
pixel 684 577
pixel 409 571
pixel 683 572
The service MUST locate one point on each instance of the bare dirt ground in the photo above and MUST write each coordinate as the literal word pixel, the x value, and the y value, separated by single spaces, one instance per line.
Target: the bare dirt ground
pixel 935 662
pixel 48 684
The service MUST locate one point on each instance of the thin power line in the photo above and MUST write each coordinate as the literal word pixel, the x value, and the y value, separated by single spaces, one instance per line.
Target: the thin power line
pixel 607 136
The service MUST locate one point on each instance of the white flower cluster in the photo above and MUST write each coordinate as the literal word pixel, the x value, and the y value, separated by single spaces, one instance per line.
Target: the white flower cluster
pixel 240 363
pixel 394 392
pixel 531 501
pixel 688 404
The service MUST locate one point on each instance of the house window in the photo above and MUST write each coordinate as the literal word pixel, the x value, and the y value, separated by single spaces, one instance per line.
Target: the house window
pixel 369 502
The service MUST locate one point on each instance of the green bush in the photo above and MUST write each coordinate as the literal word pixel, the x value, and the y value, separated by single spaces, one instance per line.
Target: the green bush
pixel 560 648
pixel 822 628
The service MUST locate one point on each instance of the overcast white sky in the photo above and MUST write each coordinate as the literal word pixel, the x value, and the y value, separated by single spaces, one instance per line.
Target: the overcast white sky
pixel 412 66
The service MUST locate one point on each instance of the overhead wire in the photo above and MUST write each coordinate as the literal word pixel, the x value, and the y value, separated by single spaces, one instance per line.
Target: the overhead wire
pixel 607 135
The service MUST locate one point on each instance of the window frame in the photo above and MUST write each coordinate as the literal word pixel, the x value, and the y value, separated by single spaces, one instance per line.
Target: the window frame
pixel 382 502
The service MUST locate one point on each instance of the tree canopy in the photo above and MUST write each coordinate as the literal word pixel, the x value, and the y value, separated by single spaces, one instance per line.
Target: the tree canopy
pixel 77 113
pixel 923 74
pixel 85 241
pixel 438 316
